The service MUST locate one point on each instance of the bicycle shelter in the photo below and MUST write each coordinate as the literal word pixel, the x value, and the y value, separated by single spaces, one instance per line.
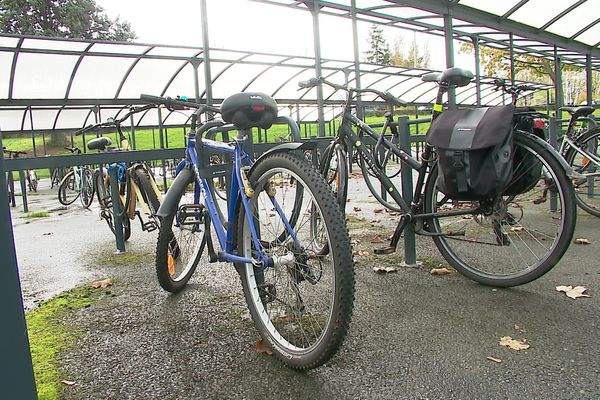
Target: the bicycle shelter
pixel 30 103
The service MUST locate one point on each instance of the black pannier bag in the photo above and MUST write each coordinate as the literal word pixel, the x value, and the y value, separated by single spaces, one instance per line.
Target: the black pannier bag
pixel 527 170
pixel 475 151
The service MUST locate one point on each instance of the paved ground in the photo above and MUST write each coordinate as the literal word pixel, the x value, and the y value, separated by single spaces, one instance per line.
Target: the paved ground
pixel 413 336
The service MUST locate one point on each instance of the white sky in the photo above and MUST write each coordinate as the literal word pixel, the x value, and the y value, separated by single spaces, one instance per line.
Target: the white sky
pixel 251 26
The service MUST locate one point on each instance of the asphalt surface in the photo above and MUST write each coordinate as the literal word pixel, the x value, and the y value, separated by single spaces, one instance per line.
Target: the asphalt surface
pixel 413 335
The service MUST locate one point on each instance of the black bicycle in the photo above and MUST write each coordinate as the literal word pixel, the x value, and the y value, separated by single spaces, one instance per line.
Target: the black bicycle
pixel 507 240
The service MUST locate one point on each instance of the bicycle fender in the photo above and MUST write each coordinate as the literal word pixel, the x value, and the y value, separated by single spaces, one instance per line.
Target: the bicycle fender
pixel 185 177
pixel 285 147
pixel 566 167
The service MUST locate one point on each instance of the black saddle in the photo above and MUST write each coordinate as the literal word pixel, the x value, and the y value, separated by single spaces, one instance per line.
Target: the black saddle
pixel 581 111
pixel 456 77
pixel 99 143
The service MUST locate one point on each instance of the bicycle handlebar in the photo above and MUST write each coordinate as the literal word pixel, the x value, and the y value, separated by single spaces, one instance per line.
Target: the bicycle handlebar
pixel 180 103
pixel 511 87
pixel 387 96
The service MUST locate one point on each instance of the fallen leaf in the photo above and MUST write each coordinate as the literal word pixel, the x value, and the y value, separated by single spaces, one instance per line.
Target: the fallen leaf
pixel 102 284
pixel 378 210
pixel 357 209
pixel 440 271
pixel 517 327
pixel 382 270
pixel 494 359
pixel 513 344
pixel 582 241
pixel 68 383
pixel 517 229
pixel 573 292
pixel 362 253
pixel 377 239
pixel 47 234
pixel 262 348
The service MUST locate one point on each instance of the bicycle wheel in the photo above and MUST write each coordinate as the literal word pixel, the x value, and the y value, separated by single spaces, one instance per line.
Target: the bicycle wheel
pixel 390 167
pixel 514 239
pixel 302 304
pixel 334 168
pixel 33 180
pixel 143 178
pixel 67 190
pixel 104 197
pixel 180 244
pixel 585 159
pixel 87 188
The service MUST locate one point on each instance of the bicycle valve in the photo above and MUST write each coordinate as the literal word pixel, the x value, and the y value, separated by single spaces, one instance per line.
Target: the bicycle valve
pixel 247 188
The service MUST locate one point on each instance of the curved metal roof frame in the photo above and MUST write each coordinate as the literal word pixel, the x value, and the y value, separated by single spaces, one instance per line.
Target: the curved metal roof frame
pixel 283 73
pixel 491 29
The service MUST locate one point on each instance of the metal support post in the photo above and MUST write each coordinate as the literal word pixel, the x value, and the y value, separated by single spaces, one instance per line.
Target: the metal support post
pixel 317 47
pixel 558 88
pixel 133 146
pixel 477 71
pixel 359 106
pixel 206 53
pixel 17 379
pixel 449 42
pixel 410 252
pixel 116 203
pixel 588 79
pixel 23 190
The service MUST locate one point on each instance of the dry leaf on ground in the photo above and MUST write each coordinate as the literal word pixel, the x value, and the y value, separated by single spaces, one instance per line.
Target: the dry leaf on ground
pixel 102 284
pixel 517 229
pixel 377 239
pixel 440 271
pixel 513 344
pixel 378 210
pixel 362 253
pixel 68 383
pixel 384 270
pixel 262 348
pixel 573 292
pixel 582 241
pixel 357 209
pixel 494 359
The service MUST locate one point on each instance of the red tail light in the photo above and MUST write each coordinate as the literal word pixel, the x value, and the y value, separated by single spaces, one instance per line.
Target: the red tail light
pixel 539 123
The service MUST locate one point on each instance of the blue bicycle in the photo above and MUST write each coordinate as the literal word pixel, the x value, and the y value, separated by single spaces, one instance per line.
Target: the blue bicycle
pixel 282 229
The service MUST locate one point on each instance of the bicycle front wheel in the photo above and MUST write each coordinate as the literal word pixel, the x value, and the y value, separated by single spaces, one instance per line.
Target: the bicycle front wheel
pixel 391 167
pixel 302 303
pixel 181 243
pixel 585 159
pixel 87 188
pixel 67 190
pixel 143 179
pixel 516 238
pixel 103 194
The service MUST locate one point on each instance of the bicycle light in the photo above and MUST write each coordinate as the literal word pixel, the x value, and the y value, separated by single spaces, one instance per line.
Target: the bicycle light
pixel 539 123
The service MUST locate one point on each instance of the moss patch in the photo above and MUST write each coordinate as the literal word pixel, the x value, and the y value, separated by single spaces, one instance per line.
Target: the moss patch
pixel 49 336
pixel 37 214
pixel 123 259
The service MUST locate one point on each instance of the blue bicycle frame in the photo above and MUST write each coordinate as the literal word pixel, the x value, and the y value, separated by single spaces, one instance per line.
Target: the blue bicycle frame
pixel 237 191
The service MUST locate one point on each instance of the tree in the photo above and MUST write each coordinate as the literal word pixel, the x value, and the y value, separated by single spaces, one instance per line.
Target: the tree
pixel 413 58
pixel 379 53
pixel 81 19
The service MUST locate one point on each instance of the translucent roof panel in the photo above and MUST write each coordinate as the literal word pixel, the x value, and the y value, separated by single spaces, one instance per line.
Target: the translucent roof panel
pixel 33 71
pixel 148 76
pixel 6 60
pixel 99 77
pixel 538 12
pixel 494 7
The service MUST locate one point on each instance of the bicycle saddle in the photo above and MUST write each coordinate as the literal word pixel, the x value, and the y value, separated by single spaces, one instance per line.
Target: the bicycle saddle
pixel 249 110
pixel 99 143
pixel 581 111
pixel 454 76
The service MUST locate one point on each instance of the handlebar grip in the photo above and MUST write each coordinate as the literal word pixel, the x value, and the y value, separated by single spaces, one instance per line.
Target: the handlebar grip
pixel 152 99
pixel 82 130
pixel 312 82
pixel 387 96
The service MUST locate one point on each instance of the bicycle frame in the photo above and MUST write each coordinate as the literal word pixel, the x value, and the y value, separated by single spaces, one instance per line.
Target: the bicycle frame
pixel 239 197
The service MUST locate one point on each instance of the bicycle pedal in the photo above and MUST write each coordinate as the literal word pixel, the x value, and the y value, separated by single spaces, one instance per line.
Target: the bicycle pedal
pixel 149 226
pixel 384 250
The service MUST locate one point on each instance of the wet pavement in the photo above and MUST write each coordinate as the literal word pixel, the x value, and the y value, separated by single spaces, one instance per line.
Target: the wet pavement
pixel 413 335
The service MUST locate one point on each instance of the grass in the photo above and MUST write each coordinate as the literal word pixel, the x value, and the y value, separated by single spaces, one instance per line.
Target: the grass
pixel 37 214
pixel 49 336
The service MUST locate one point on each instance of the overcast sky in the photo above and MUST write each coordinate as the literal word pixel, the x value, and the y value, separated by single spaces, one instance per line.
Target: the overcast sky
pixel 252 26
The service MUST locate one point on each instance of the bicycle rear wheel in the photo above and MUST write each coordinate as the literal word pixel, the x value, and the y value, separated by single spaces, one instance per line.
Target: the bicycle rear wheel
pixel 334 168
pixel 514 239
pixel 302 304
pixel 143 180
pixel 391 167
pixel 181 243
pixel 586 160
pixel 67 189
pixel 104 197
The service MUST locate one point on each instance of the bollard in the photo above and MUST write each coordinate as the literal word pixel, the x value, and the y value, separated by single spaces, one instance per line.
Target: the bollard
pixel 23 190
pixel 116 202
pixel 553 139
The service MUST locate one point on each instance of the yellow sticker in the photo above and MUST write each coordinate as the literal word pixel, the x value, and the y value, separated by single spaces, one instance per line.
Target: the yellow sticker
pixel 437 107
